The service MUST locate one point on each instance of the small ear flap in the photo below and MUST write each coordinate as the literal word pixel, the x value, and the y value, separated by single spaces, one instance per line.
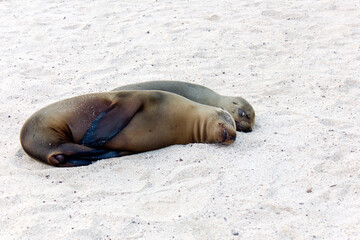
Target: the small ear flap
pixel 110 122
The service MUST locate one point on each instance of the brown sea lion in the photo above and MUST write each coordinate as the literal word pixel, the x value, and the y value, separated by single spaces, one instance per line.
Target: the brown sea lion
pixel 82 129
pixel 238 107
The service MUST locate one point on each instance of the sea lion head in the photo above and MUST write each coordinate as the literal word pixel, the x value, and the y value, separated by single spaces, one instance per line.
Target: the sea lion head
pixel 222 127
pixel 241 111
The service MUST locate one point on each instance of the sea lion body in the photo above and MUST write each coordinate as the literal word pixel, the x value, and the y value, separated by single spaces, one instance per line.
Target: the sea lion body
pixel 90 127
pixel 238 107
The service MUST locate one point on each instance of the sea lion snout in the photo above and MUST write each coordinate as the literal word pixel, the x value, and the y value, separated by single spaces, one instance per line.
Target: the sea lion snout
pixel 243 126
pixel 228 136
pixel 227 128
pixel 245 120
pixel 243 113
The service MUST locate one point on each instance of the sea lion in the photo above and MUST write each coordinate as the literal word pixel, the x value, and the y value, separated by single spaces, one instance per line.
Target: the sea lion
pixel 238 107
pixel 79 130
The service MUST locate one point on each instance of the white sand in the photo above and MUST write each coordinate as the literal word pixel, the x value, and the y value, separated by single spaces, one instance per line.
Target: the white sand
pixel 296 176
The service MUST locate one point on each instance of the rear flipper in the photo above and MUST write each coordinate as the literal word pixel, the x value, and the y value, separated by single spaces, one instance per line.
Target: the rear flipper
pixel 73 155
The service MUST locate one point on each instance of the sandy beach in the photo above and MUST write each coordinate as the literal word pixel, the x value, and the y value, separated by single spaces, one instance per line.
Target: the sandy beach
pixel 296 176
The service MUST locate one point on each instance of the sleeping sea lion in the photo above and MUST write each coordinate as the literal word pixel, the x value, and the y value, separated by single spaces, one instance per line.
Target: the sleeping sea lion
pixel 238 107
pixel 79 130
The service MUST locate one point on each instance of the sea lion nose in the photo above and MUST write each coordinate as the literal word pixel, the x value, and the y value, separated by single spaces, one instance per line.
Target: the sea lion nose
pixel 233 137
pixel 243 127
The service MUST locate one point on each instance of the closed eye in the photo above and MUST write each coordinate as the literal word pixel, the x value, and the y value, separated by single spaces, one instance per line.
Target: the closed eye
pixel 242 113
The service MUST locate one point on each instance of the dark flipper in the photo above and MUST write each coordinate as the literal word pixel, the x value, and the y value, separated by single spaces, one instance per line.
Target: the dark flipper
pixel 73 155
pixel 110 122
pixel 75 163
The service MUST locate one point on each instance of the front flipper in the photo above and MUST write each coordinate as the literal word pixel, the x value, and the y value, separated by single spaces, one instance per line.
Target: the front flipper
pixel 110 122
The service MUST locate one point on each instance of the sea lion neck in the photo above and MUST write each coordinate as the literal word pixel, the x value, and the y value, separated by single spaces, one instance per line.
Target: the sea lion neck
pixel 196 93
pixel 200 129
pixel 209 98
pixel 224 102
